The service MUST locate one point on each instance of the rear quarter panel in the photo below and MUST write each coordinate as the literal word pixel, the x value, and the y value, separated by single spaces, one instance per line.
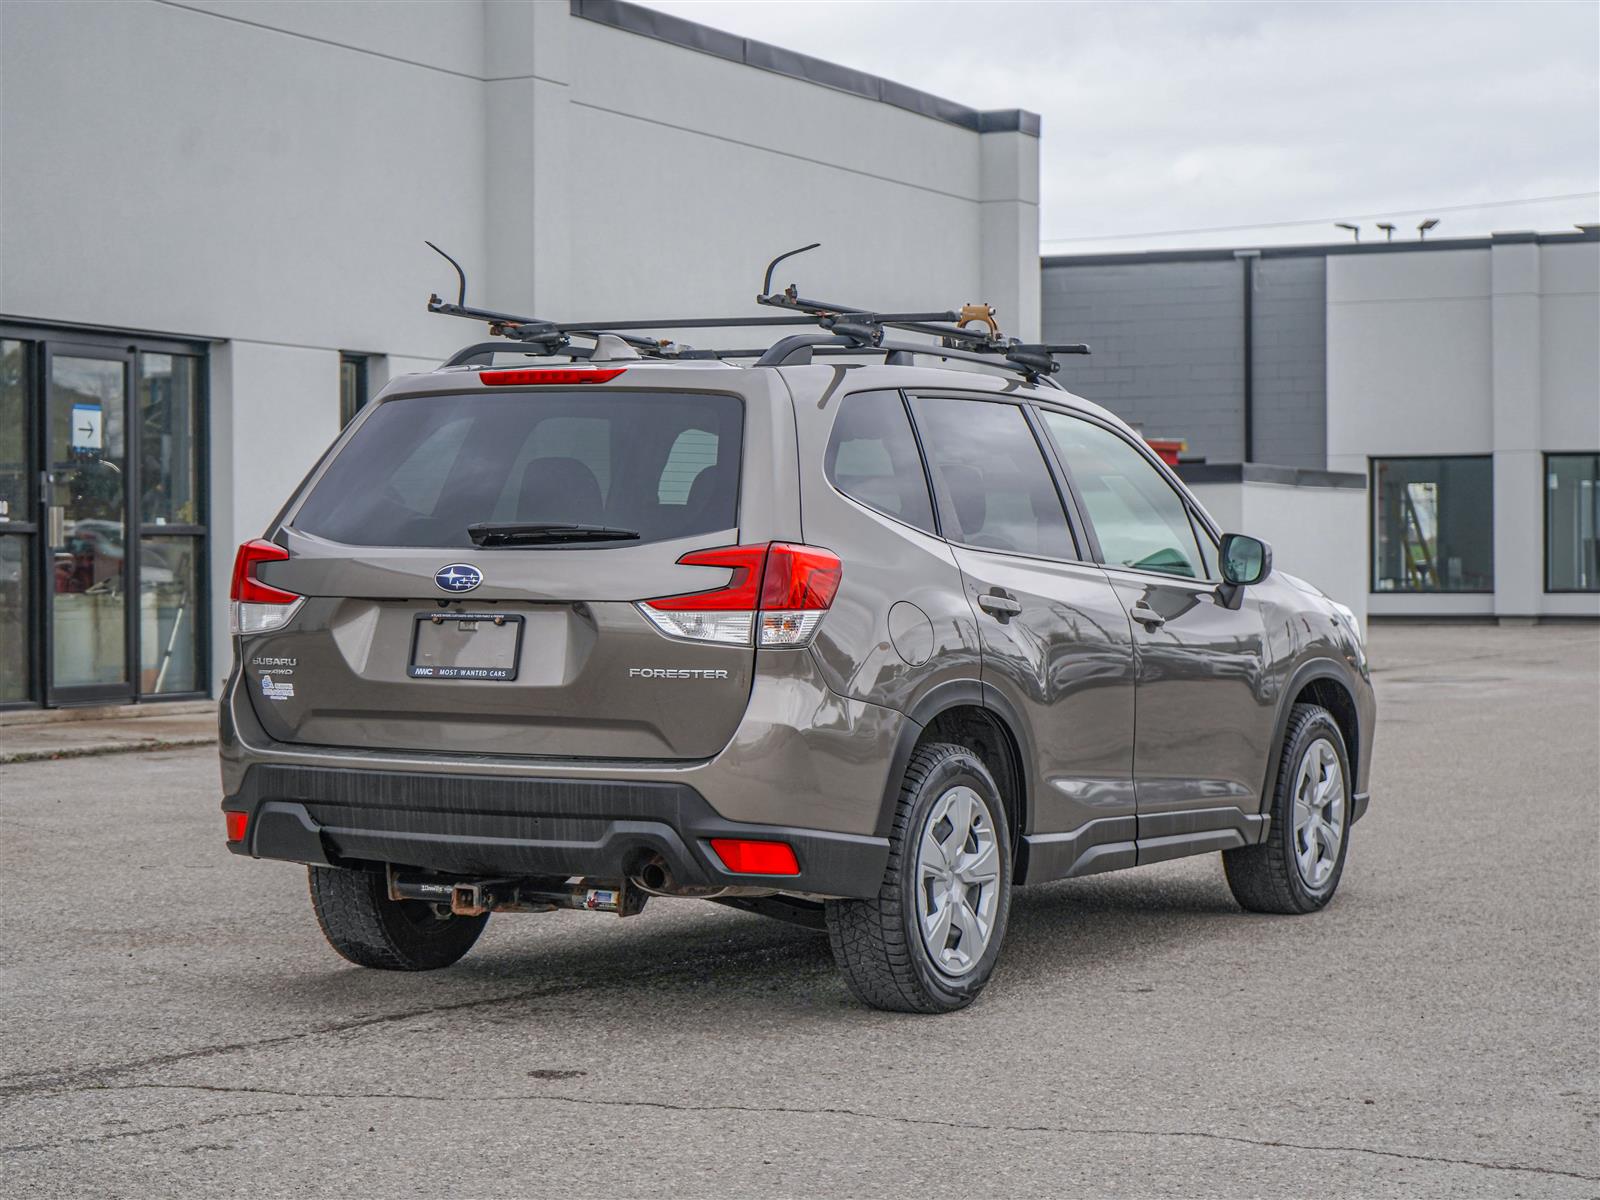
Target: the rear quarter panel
pixel 901 624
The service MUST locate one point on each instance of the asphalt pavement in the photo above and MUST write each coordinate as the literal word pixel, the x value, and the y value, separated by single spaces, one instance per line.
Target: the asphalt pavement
pixel 172 1023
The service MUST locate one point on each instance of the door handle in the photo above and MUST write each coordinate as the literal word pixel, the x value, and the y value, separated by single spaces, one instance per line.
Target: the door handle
pixel 998 604
pixel 1148 616
pixel 56 532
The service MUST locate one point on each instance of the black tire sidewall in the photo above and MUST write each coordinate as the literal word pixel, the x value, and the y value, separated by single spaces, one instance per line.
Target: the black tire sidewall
pixel 1319 726
pixel 960 768
pixel 367 928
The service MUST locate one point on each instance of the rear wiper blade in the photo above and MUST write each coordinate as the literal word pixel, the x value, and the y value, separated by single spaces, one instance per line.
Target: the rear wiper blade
pixel 535 533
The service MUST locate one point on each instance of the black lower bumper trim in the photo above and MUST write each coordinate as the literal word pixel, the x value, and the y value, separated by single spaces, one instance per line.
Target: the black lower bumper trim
pixel 498 826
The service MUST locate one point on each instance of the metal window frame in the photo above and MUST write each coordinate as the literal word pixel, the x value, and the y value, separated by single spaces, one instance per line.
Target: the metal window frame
pixel 1544 481
pixel 26 532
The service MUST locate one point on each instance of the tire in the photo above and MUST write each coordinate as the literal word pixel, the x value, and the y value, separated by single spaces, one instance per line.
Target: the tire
pixel 1282 874
pixel 371 930
pixel 879 944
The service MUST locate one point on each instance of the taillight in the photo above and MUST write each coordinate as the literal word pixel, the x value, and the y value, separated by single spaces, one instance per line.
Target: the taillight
pixel 538 376
pixel 259 607
pixel 780 591
pixel 238 824
pixel 797 589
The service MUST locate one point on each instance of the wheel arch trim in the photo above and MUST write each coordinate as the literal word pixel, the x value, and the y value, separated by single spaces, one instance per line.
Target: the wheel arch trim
pixel 942 698
pixel 1310 671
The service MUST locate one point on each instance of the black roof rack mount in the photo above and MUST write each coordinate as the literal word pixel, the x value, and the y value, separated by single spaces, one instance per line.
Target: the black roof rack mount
pixel 969 334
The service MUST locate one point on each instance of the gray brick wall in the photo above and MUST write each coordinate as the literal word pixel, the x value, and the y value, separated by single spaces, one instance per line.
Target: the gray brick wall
pixel 1169 351
pixel 1291 353
pixel 1166 348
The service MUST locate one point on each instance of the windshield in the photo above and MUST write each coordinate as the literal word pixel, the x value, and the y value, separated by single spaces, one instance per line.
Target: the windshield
pixel 424 470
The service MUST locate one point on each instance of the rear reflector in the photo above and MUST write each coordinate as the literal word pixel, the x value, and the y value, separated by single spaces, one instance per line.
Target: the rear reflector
pixel 756 858
pixel 238 824
pixel 539 376
pixel 779 590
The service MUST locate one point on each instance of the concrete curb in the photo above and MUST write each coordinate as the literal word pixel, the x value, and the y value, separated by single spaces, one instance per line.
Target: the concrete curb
pixel 92 749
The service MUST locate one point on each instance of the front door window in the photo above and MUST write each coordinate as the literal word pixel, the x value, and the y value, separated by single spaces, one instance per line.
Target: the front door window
pixel 1140 521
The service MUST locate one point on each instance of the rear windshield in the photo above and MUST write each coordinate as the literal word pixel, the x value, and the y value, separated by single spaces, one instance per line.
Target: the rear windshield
pixel 421 470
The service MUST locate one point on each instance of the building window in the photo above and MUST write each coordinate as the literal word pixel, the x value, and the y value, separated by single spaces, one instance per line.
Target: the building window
pixel 352 386
pixel 1433 524
pixel 1572 523
pixel 172 525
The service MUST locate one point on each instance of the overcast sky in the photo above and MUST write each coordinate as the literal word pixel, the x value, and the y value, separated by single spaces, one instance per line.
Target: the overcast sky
pixel 1184 117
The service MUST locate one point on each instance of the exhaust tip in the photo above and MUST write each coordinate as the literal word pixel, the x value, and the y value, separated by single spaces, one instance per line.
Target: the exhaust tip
pixel 653 876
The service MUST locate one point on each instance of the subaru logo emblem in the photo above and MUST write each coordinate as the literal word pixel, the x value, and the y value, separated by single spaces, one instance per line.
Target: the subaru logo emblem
pixel 458 577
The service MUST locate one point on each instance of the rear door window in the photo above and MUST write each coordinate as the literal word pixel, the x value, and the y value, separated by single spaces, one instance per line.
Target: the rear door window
pixel 421 469
pixel 872 458
pixel 995 491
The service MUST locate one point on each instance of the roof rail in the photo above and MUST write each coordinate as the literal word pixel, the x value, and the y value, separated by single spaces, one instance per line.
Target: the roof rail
pixel 847 329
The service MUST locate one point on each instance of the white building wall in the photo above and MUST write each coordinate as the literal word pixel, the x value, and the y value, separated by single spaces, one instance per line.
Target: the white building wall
pixel 1482 350
pixel 1408 355
pixel 1569 345
pixel 263 174
pixel 1317 533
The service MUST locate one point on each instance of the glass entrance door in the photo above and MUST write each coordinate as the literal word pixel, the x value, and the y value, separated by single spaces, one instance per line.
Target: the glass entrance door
pixel 103 535
pixel 87 539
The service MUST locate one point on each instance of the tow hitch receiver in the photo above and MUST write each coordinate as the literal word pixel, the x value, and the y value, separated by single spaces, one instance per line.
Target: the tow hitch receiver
pixel 474 897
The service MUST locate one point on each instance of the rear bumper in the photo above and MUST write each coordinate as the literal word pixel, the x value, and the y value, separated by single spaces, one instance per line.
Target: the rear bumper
pixel 496 826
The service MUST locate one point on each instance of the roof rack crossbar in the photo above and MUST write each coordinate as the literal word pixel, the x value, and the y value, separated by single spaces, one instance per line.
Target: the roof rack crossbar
pixel 845 329
pixel 937 324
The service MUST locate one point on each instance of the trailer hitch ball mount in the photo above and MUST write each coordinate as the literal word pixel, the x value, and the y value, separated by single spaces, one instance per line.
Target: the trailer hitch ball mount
pixel 474 897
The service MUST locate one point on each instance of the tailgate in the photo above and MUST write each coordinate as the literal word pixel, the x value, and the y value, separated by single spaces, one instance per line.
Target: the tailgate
pixel 545 653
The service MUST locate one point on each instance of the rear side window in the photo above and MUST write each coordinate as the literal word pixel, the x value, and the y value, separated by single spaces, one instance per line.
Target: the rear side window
pixel 420 470
pixel 872 457
pixel 994 488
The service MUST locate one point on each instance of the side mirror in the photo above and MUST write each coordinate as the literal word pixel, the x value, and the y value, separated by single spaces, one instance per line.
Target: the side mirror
pixel 1245 560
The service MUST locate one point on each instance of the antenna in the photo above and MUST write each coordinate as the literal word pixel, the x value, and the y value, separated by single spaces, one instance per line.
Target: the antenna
pixel 461 295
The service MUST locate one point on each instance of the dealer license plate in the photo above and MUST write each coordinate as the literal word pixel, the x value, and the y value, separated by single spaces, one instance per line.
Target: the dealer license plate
pixel 482 646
